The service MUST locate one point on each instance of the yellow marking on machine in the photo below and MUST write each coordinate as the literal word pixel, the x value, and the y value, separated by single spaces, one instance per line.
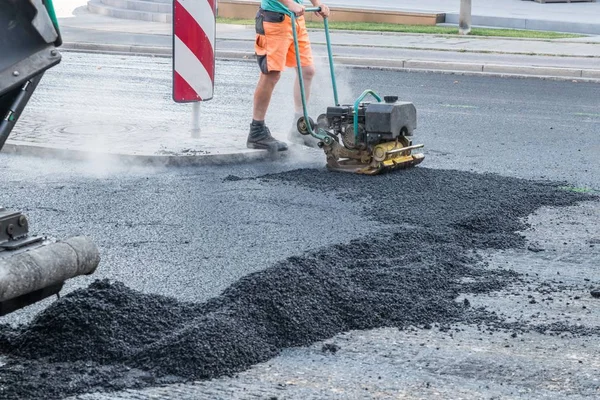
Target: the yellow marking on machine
pixel 383 157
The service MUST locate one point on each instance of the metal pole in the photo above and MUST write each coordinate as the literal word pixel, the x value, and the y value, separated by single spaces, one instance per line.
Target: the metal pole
pixel 331 67
pixel 464 19
pixel 8 121
pixel 300 75
pixel 196 120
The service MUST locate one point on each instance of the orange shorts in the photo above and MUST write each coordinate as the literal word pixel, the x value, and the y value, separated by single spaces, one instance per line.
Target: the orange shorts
pixel 274 44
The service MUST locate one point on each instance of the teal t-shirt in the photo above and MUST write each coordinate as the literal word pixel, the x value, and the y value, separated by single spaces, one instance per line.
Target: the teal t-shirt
pixel 274 5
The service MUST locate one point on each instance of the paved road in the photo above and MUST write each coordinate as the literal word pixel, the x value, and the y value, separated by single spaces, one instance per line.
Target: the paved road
pixel 522 127
pixel 188 234
pixel 526 128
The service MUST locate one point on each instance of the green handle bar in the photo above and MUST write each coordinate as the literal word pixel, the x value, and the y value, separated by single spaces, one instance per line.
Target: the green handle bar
pixel 320 134
pixel 356 104
pixel 329 53
pixel 52 14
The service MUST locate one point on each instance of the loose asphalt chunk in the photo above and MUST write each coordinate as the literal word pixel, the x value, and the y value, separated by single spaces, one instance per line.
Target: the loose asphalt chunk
pixel 109 337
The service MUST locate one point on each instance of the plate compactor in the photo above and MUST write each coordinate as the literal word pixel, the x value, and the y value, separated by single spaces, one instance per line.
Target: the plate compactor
pixel 364 138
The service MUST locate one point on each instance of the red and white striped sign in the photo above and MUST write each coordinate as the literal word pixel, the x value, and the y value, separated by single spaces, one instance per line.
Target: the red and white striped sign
pixel 194 29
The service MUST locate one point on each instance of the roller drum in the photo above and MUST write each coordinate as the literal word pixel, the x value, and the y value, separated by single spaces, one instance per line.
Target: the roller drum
pixel 46 266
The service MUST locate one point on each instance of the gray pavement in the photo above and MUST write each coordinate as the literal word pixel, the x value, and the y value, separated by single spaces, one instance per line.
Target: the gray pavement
pixel 525 128
pixel 577 58
pixel 112 105
pixel 86 27
pixel 565 17
pixel 164 137
pixel 186 233
pixel 580 17
pixel 116 105
pixel 406 364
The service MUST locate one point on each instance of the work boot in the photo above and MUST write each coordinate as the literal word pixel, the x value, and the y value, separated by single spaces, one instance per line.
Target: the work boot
pixel 260 138
pixel 296 137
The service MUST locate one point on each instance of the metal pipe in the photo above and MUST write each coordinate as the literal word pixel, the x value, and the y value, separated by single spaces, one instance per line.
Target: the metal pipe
pixel 417 146
pixel 319 135
pixel 300 76
pixel 45 266
pixel 8 121
pixel 331 67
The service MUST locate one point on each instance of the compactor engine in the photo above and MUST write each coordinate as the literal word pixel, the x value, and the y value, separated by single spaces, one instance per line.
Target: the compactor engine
pixel 377 122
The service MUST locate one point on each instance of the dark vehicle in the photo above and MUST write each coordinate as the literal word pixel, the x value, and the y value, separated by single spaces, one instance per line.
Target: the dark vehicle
pixel 31 267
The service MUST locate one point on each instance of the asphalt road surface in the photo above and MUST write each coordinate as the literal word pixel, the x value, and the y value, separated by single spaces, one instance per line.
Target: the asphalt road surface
pixel 190 233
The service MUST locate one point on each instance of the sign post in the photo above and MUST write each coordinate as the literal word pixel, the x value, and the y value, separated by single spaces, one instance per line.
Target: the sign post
pixel 194 31
pixel 464 19
pixel 196 120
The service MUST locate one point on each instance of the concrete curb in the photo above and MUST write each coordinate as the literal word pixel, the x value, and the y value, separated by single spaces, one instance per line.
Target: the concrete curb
pixel 118 48
pixel 501 70
pixel 153 160
pixel 246 9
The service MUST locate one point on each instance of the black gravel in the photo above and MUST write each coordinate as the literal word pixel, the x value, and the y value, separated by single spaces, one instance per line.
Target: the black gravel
pixel 330 348
pixel 108 337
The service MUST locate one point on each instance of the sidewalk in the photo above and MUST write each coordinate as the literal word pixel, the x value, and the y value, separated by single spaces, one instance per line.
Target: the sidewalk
pixel 559 58
pixel 577 17
pixel 561 17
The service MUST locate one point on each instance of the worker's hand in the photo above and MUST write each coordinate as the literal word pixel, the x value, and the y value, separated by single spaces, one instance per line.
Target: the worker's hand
pixel 297 9
pixel 325 12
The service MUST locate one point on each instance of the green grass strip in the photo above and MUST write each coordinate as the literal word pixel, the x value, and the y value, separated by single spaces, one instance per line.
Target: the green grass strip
pixel 421 29
pixel 578 189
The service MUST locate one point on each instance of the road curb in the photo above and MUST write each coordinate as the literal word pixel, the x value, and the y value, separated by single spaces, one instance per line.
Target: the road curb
pixel 487 69
pixel 153 160
pixel 118 48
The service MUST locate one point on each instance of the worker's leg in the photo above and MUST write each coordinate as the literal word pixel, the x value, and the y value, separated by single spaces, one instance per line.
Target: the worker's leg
pixel 262 94
pixel 260 135
pixel 271 48
pixel 308 73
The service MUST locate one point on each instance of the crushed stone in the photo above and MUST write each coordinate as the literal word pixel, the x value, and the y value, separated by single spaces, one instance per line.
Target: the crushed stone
pixel 410 275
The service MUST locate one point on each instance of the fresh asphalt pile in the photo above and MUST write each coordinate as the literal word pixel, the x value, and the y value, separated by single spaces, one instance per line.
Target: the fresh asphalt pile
pixel 109 337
